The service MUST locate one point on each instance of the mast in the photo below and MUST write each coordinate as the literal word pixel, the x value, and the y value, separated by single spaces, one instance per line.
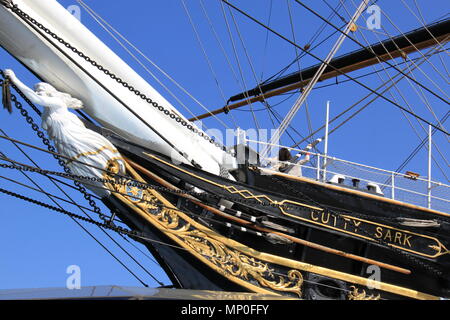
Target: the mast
pixel 386 50
pixel 325 149
pixel 430 145
pixel 290 115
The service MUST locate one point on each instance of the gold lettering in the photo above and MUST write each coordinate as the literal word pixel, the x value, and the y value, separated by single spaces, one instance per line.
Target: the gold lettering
pixel 356 223
pixel 379 232
pixel 312 216
pixel 398 236
pixel 345 223
pixel 406 241
pixel 323 219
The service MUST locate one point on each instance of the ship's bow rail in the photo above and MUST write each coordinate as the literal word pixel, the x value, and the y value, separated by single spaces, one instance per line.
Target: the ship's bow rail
pixel 408 187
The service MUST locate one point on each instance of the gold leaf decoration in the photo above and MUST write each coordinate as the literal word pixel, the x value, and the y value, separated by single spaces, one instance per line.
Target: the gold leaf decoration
pixel 356 295
pixel 441 249
pixel 203 242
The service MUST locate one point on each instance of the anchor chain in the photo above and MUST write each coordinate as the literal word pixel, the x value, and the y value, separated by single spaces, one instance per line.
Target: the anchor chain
pixel 50 148
pixel 106 225
pixel 67 174
pixel 119 80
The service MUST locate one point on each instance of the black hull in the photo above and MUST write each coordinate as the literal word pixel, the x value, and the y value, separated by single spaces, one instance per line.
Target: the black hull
pixel 408 249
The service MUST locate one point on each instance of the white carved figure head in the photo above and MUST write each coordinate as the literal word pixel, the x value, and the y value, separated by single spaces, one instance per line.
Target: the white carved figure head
pixel 45 89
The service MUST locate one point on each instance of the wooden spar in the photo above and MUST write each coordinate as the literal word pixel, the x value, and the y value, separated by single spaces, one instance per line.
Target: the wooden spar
pixel 389 49
pixel 313 245
pixel 60 50
pixel 284 124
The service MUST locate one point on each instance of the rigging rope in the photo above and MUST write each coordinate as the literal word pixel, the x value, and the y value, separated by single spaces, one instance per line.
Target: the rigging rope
pixel 334 68
pixel 355 104
pixel 224 53
pixel 369 50
pixel 74 217
pixel 92 14
pixel 111 31
pixel 311 41
pixel 409 71
pixel 308 117
pixel 236 56
pixel 422 21
pixel 42 30
pixel 420 146
pixel 80 188
pixel 202 47
pixel 407 57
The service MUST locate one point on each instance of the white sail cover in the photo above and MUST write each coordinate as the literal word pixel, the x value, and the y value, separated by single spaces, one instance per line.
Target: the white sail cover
pixel 53 67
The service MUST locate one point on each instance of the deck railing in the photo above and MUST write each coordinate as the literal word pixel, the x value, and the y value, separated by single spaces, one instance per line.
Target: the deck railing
pixel 408 188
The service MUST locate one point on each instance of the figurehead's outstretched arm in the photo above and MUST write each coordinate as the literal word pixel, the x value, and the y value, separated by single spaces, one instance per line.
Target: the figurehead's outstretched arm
pixel 51 102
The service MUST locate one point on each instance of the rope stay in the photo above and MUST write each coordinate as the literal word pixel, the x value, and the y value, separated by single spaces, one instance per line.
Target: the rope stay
pixel 290 115
pixel 101 225
pixel 336 69
pixel 79 188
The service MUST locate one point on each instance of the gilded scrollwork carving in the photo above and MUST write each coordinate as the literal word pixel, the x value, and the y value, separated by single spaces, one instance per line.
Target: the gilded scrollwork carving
pixel 355 294
pixel 230 262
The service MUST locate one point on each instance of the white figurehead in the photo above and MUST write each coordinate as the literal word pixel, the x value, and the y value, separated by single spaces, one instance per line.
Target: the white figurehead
pixel 69 134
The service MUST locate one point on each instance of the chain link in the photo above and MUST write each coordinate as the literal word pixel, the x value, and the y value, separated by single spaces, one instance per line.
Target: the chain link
pixel 87 196
pixel 116 78
pixel 105 225
pixel 50 148
pixel 127 181
pixel 157 106
pixel 383 243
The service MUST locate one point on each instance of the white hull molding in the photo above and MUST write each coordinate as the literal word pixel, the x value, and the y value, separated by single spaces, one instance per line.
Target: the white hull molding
pixel 41 57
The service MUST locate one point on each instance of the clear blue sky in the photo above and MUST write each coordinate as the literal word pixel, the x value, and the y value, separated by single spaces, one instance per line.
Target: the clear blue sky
pixel 36 245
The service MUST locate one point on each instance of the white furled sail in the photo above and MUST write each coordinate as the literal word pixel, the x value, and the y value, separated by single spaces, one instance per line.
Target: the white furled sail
pixel 87 153
pixel 107 101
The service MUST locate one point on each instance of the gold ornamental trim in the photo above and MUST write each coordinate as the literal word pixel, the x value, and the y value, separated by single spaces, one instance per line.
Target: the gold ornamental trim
pixel 355 294
pixel 261 256
pixel 398 238
pixel 229 261
pixel 359 193
pixel 91 153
